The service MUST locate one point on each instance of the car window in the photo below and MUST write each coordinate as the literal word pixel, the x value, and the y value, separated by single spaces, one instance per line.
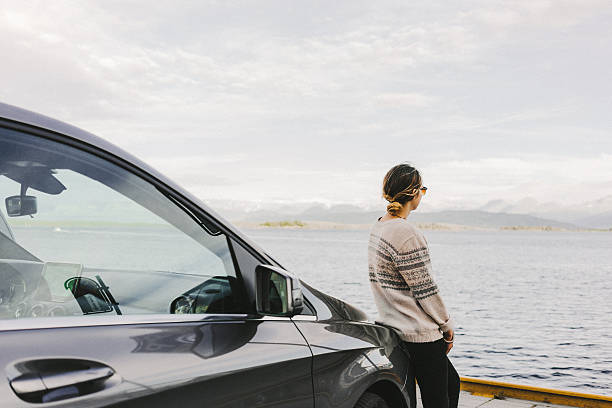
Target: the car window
pixel 90 237
pixel 4 228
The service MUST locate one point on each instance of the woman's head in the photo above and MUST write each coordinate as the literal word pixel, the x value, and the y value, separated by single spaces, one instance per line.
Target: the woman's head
pixel 401 185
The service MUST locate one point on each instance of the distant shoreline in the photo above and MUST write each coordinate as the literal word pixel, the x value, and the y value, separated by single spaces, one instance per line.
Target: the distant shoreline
pixel 301 225
pixel 326 225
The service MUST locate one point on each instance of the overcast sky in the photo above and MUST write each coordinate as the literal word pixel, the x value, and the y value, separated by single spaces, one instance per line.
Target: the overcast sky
pixel 269 101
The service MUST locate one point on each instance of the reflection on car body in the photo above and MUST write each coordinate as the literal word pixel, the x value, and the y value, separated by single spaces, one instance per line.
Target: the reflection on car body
pixel 119 288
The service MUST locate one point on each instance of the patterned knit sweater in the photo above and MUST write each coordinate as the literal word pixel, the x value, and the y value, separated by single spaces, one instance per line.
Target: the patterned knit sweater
pixel 406 295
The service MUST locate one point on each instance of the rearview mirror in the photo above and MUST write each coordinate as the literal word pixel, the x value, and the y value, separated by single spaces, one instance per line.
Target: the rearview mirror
pixel 278 292
pixel 21 205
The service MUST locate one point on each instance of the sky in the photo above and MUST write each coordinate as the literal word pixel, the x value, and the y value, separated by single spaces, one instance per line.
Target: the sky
pixel 255 102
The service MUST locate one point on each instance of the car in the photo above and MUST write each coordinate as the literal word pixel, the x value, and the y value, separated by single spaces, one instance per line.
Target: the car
pixel 120 288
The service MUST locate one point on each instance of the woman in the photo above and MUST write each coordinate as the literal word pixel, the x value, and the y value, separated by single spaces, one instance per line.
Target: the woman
pixel 405 293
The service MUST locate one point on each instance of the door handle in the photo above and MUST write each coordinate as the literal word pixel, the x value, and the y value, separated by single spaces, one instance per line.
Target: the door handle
pixel 55 379
pixel 38 383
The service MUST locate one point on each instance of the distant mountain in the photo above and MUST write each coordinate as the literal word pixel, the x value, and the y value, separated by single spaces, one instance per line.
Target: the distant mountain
pixel 526 212
pixel 495 206
pixel 603 220
pixel 349 214
pixel 591 214
pixel 527 205
pixel 599 206
pixel 488 219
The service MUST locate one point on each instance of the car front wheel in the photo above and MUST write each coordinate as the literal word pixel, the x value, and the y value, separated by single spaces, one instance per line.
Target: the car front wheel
pixel 370 400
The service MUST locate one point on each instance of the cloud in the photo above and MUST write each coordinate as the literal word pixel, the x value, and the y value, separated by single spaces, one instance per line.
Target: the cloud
pixel 543 14
pixel 566 180
pixel 454 184
pixel 491 98
pixel 405 99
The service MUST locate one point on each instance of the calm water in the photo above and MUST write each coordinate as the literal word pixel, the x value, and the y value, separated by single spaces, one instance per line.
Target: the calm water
pixel 531 308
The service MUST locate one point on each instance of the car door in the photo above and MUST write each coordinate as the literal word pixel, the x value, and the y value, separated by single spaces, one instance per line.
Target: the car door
pixel 114 293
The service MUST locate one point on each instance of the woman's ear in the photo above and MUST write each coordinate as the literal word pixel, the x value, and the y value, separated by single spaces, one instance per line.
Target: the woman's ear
pixel 414 203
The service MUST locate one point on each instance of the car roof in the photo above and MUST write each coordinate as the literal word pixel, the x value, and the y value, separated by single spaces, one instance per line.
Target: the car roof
pixel 16 114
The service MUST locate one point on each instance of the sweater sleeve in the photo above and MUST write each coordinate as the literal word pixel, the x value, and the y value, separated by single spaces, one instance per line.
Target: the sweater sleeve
pixel 413 263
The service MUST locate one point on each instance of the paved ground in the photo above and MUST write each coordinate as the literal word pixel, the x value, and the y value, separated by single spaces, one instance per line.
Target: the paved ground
pixel 467 400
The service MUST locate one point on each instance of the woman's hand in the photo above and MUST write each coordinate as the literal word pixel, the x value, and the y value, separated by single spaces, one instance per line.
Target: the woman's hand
pixel 449 337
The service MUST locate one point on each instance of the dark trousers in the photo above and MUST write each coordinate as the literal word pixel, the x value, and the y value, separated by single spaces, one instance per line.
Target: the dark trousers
pixel 438 380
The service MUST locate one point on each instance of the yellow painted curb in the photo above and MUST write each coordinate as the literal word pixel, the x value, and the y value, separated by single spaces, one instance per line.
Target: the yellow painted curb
pixel 494 389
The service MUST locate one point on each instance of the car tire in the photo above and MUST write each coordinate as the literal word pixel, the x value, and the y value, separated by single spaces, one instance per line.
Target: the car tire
pixel 370 400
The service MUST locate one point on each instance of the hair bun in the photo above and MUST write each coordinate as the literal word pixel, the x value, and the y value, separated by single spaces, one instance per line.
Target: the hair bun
pixel 394 208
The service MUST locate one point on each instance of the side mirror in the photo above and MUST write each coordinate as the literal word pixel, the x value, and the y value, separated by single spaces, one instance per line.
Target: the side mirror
pixel 278 292
pixel 21 205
